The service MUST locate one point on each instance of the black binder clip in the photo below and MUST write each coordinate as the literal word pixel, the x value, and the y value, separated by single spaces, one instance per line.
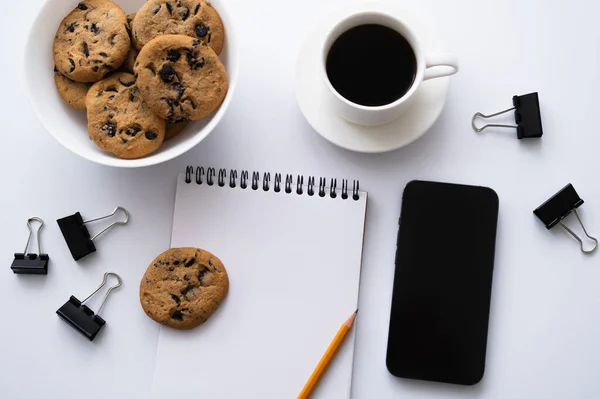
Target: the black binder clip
pixel 30 263
pixel 77 235
pixel 82 318
pixel 561 205
pixel 527 117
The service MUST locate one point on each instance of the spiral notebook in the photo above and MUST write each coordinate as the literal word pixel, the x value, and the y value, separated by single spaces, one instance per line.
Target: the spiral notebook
pixel 292 247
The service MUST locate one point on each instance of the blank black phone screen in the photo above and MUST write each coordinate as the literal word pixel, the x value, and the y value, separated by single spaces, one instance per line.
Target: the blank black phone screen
pixel 443 283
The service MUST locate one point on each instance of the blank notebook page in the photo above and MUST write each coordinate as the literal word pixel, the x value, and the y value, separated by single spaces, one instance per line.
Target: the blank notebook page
pixel 294 266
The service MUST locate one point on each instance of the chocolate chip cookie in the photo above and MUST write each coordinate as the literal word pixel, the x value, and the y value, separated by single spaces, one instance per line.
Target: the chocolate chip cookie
pixel 133 51
pixel 119 121
pixel 180 78
pixel 91 41
pixel 173 129
pixel 182 287
pixel 73 93
pixel 194 18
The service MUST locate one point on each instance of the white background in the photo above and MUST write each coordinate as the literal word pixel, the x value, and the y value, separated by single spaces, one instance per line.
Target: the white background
pixel 544 327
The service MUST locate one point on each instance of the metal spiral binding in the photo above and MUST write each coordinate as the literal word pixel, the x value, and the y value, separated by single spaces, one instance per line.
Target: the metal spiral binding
pixel 221 178
pixel 202 175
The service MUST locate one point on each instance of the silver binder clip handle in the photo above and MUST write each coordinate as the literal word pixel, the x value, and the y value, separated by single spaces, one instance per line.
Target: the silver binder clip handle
pixel 126 219
pixel 119 283
pixel 586 251
pixel 37 234
pixel 483 116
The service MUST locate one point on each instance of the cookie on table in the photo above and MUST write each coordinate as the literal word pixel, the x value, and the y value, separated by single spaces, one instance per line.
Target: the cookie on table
pixel 91 41
pixel 182 287
pixel 173 129
pixel 181 78
pixel 119 121
pixel 194 18
pixel 73 93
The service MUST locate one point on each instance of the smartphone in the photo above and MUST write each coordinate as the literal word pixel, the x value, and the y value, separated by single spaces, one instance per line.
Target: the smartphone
pixel 443 283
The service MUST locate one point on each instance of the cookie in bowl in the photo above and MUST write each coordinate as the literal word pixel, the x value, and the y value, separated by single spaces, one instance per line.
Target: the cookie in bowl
pixel 194 18
pixel 119 121
pixel 181 78
pixel 91 41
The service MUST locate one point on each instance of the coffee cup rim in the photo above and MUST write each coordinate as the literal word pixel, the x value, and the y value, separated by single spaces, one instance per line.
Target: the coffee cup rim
pixel 330 39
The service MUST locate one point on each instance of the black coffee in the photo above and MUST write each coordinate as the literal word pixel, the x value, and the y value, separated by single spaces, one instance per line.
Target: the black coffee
pixel 371 65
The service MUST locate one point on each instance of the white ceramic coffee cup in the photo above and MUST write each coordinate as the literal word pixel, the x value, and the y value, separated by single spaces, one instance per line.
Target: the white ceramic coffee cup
pixel 429 66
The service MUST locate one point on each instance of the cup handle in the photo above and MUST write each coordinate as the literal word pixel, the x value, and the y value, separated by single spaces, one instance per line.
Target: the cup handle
pixel 440 65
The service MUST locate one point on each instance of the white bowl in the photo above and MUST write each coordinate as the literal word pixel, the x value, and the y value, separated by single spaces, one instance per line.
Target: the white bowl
pixel 69 126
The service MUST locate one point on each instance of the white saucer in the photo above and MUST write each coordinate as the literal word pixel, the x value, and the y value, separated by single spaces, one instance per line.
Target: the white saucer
pixel 311 94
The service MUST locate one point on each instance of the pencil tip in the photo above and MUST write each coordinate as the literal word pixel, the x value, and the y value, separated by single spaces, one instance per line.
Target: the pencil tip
pixel 356 311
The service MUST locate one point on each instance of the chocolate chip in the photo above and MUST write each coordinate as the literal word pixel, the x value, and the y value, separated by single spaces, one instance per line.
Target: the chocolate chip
pixel 187 289
pixel 55 68
pixel 156 9
pixel 99 94
pixel 201 30
pixel 103 55
pixel 111 115
pixel 112 88
pixel 170 7
pixel 176 298
pixel 186 277
pixel 95 30
pixel 185 13
pixel 192 104
pixel 197 8
pixel 151 135
pixel 71 27
pixel 96 68
pixel 180 89
pixel 72 65
pixel 190 262
pixel 210 262
pixel 177 315
pixel 173 55
pixel 133 130
pixel 151 68
pixel 167 73
pixel 110 129
pixel 176 263
pixel 112 40
pixel 123 141
pixel 127 83
pixel 82 6
pixel 201 274
pixel 208 40
pixel 196 42
pixel 193 61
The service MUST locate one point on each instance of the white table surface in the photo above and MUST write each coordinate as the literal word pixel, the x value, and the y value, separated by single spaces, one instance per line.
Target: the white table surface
pixel 545 325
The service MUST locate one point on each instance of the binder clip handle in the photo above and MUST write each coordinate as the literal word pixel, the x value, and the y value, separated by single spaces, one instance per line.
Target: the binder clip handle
pixel 483 116
pixel 572 233
pixel 119 208
pixel 37 234
pixel 119 283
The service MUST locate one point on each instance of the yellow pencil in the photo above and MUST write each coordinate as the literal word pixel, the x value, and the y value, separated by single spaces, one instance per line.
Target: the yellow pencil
pixel 326 359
